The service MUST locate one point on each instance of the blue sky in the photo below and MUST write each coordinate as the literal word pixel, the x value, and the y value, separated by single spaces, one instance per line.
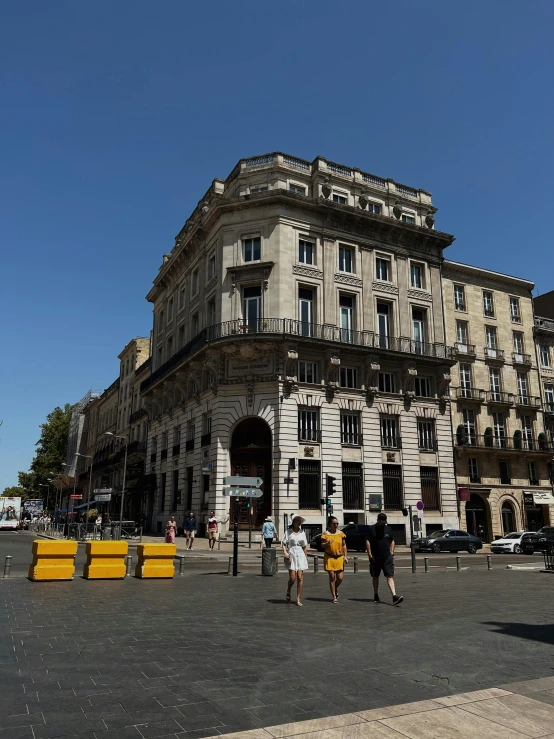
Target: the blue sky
pixel 117 116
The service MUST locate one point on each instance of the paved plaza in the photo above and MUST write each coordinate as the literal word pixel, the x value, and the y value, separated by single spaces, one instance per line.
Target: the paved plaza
pixel 207 654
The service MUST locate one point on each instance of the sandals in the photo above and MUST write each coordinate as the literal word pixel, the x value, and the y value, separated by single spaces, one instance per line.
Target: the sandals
pixel 335 599
pixel 298 603
pixel 287 596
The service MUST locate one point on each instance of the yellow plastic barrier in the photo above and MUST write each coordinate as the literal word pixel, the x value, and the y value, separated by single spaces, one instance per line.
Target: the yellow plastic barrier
pixel 53 560
pixel 105 560
pixel 155 560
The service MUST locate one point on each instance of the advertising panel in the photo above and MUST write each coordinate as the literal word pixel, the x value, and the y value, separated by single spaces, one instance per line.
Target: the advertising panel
pixel 10 513
pixel 33 507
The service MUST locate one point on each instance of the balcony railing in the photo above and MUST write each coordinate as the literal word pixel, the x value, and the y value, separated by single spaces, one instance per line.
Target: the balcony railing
pixel 391 442
pixel 549 407
pixel 309 435
pixel 176 450
pixel 524 359
pixel 465 350
pixel 137 414
pixel 189 446
pixel 206 439
pixel 500 398
pixel 428 445
pixel 494 355
pixel 505 443
pixel 470 394
pixel 287 327
pixel 528 401
pixel 352 438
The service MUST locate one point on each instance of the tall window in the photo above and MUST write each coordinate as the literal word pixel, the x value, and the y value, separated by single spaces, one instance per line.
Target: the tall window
pixel 182 295
pixel 194 324
pixel 488 304
pixel 252 306
pixel 393 498
pixel 386 382
pixel 383 324
pixel 461 336
pixel 522 388
pixel 527 432
pixel 309 484
pixel 514 310
pixel 164 440
pixel 418 328
pixel 306 310
pixel 252 249
pixel 416 275
pixel 382 268
pixel 518 346
pixel 549 397
pixel 194 282
pixel 346 306
pixel 473 470
pixel 545 355
pixel 176 435
pixel 307 371
pixel 468 422
pixel 190 477
pixel 163 479
pixel 533 478
pixel 169 312
pixel 422 387
pixel 190 430
pixel 490 337
pixel 211 266
pixel 305 251
pixel 429 477
pixel 389 433
pixel 345 259
pixel 499 430
pixel 176 491
pixel 459 297
pixel 352 486
pixel 504 472
pixel 348 377
pixel 426 435
pixel 494 380
pixel 350 429
pixel 465 380
pixel 308 424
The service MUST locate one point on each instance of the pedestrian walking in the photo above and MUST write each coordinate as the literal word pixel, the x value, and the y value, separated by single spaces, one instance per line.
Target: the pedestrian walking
pixel 335 555
pixel 380 550
pixel 269 532
pixel 212 530
pixel 189 528
pixel 171 530
pixel 294 544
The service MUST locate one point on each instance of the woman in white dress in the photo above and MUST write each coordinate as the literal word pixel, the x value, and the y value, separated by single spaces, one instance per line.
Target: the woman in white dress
pixel 294 545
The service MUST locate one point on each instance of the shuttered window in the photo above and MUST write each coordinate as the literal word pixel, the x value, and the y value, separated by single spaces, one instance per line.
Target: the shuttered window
pixel 309 485
pixel 430 488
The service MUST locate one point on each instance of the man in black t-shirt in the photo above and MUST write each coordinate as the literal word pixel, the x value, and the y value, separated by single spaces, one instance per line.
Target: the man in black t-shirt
pixel 380 550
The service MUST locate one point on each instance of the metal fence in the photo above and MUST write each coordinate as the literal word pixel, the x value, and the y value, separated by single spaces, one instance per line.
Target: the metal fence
pixel 549 556
pixel 88 532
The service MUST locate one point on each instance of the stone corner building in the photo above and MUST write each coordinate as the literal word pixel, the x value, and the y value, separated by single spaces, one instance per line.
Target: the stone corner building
pixel 299 333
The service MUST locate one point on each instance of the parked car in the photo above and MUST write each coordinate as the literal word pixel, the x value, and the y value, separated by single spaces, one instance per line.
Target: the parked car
pixel 355 537
pixel 536 542
pixel 509 543
pixel 448 540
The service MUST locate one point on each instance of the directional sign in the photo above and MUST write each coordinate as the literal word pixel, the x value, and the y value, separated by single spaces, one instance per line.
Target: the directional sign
pixel 243 492
pixel 103 498
pixel 251 482
pixel 76 497
pixel 103 491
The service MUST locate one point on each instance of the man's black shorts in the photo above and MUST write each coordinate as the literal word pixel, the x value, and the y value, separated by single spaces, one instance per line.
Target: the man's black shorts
pixel 387 566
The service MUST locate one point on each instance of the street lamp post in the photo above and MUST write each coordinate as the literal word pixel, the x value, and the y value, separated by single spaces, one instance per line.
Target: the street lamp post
pixel 87 456
pixel 126 439
pixel 46 485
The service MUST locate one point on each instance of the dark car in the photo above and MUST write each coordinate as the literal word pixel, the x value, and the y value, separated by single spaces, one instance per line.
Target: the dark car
pixel 448 540
pixel 355 537
pixel 537 542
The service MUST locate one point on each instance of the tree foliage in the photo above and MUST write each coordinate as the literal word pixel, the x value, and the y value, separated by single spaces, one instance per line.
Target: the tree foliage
pixel 50 453
pixel 14 492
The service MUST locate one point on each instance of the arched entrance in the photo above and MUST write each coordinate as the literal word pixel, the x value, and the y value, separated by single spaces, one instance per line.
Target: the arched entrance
pixel 251 457
pixel 477 518
pixel 508 518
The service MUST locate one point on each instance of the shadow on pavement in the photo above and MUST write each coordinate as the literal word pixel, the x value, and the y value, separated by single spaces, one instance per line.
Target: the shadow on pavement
pixel 534 632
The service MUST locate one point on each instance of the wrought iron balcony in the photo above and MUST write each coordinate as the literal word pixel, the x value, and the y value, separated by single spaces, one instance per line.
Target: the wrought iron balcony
pixel 497 397
pixel 466 351
pixel 470 394
pixel 521 359
pixel 289 328
pixel 528 401
pixel 503 443
pixel 494 355
pixel 189 446
pixel 137 414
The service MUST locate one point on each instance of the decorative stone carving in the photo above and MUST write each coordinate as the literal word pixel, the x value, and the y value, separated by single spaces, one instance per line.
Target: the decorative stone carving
pixel 384 287
pixel 308 451
pixel 291 362
pixel 326 188
pixel 429 220
pixel 348 279
pixel 419 294
pixel 371 371
pixel 397 210
pixel 363 201
pixel 391 457
pixel 332 368
pixel 409 373
pixel 443 383
pixel 307 272
pixel 250 393
pixel 212 364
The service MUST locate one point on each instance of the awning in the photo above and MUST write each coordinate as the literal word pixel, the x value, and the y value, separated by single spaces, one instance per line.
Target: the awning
pixel 543 498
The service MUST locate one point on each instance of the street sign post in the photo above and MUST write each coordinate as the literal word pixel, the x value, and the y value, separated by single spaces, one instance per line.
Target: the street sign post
pixel 102 498
pixel 245 482
pixel 102 491
pixel 243 492
pixel 241 487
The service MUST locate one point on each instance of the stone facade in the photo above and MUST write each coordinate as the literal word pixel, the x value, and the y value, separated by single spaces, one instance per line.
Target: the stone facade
pixel 299 334
pixel 502 453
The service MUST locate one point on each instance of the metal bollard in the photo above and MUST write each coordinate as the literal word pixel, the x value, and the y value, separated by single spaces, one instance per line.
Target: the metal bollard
pixel 355 560
pixel 458 563
pixel 129 562
pixel 316 564
pixel 426 564
pixel 489 562
pixel 230 566
pixel 8 565
pixel 218 542
pixel 181 558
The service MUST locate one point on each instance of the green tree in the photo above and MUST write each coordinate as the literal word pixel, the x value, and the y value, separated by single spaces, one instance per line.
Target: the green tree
pixel 14 492
pixel 50 454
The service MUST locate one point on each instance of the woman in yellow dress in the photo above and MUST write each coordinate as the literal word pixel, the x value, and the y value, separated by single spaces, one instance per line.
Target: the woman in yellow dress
pixel 335 555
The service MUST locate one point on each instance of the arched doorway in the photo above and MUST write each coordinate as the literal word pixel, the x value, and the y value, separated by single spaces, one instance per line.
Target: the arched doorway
pixel 476 517
pixel 251 457
pixel 508 518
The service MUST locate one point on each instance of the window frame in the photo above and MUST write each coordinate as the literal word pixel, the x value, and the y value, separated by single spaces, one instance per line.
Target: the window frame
pixel 421 267
pixel 302 240
pixel 251 238
pixel 457 307
pixel 386 260
pixel 426 435
pixel 541 353
pixel 422 381
pixel 309 424
pixel 298 186
pixel 384 376
pixel 306 363
pixel 515 316
pixel 487 314
pixel 353 374
pixel 346 249
pixel 350 430
pixel 341 195
pixel 211 269
pixel 389 428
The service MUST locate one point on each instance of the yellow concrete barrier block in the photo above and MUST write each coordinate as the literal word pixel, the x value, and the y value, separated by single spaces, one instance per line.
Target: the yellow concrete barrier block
pixel 105 560
pixel 53 560
pixel 155 560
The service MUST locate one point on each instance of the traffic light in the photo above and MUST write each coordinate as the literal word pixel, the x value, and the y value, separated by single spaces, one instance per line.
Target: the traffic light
pixel 331 485
pixel 329 501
